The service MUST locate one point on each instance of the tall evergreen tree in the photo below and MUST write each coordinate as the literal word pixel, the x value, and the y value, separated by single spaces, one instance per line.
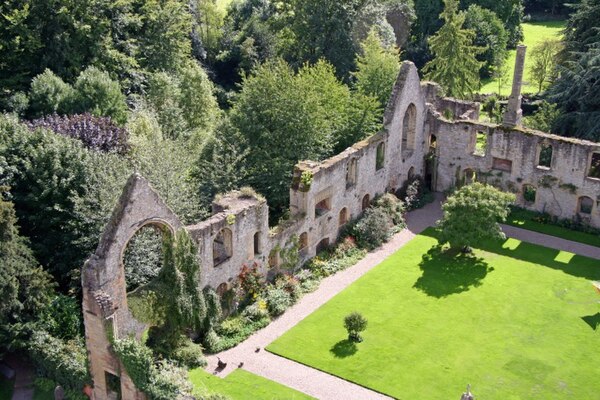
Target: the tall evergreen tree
pixel 455 64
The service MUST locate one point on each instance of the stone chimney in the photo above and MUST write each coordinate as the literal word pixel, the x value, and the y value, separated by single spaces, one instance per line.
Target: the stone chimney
pixel 513 114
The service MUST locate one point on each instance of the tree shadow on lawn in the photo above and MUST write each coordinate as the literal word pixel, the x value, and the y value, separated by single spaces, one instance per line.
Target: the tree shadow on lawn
pixel 578 266
pixel 344 348
pixel 592 320
pixel 446 273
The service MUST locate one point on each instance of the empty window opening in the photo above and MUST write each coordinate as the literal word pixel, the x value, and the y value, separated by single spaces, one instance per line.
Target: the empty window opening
pixel 586 204
pixel 351 171
pixel 303 242
pixel 469 176
pixel 323 245
pixel 143 256
pixel 432 143
pixel 411 173
pixel 221 289
pixel 595 166
pixel 366 201
pixel 322 207
pixel 545 156
pixel 409 127
pixel 502 165
pixel 273 259
pixel 113 386
pixel 257 244
pixel 380 158
pixel 343 220
pixel 529 193
pixel 222 247
pixel 481 139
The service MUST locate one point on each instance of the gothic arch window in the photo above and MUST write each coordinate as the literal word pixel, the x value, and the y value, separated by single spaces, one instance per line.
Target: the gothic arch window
pixel 409 127
pixel 351 172
pixel 585 206
pixel 380 156
pixel 222 247
pixel 411 173
pixel 303 242
pixel 343 220
pixel 257 243
pixel 469 176
pixel 366 202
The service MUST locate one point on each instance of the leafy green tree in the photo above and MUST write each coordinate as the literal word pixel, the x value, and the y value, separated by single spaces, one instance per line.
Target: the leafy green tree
pixel 490 35
pixel 25 288
pixel 98 94
pixel 510 12
pixel 49 94
pixel 323 29
pixel 471 215
pixel 377 69
pixel 543 62
pixel 355 323
pixel 455 64
pixel 581 32
pixel 544 118
pixel 285 117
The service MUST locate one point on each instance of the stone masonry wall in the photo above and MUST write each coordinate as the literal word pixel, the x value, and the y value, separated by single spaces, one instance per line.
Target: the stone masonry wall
pixel 326 195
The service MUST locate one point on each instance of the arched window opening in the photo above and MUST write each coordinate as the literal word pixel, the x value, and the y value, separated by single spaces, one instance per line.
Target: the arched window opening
pixel 222 289
pixel 143 256
pixel 586 204
pixel 343 220
pixel 380 157
pixel 545 156
pixel 222 247
pixel 529 194
pixel 432 143
pixel 303 242
pixel 351 173
pixel 411 174
pixel 257 244
pixel 366 202
pixel 323 245
pixel 469 176
pixel 409 127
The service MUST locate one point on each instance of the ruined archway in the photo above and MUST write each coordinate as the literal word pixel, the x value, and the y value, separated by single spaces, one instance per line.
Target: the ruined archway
pixel 105 307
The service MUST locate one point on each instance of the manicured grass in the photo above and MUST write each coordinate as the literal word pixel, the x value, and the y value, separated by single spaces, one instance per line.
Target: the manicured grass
pixel 241 384
pixel 517 321
pixel 6 388
pixel 534 32
pixel 525 219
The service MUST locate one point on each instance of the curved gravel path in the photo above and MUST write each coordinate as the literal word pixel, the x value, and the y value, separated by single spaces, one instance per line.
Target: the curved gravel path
pixel 320 384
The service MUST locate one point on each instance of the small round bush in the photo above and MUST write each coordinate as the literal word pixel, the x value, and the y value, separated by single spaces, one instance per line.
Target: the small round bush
pixel 278 300
pixel 373 229
pixel 355 323
pixel 189 355
pixel 393 206
pixel 256 311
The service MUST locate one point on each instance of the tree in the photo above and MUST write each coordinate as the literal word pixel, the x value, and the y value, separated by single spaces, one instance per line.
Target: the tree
pixel 98 94
pixel 285 117
pixel 544 118
pixel 581 32
pixel 455 64
pixel 49 94
pixel 510 12
pixel 355 323
pixel 471 215
pixel 490 35
pixel 543 62
pixel 377 69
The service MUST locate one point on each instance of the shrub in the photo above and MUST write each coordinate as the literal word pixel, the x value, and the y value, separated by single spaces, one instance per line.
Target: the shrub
pixel 415 194
pixel 49 95
pixel 96 133
pixel 393 206
pixel 278 300
pixel 211 341
pixel 355 323
pixel 99 95
pixel 256 311
pixel 231 326
pixel 168 382
pixel 64 362
pixel 373 229
pixel 189 355
pixel 290 284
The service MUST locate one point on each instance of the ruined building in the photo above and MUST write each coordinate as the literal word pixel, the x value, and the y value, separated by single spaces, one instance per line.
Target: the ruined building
pixel 424 134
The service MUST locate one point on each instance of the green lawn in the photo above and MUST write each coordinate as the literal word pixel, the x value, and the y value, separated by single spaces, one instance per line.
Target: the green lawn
pixel 534 33
pixel 517 321
pixel 525 219
pixel 241 384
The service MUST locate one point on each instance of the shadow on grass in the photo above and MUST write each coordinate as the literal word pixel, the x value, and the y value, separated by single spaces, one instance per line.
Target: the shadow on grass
pixel 445 273
pixel 344 348
pixel 579 266
pixel 592 320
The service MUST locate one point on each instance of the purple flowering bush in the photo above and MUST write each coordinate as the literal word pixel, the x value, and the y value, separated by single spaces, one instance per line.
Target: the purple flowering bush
pixel 96 133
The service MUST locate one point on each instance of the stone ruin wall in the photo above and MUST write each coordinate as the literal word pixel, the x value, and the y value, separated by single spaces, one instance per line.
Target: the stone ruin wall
pixel 338 190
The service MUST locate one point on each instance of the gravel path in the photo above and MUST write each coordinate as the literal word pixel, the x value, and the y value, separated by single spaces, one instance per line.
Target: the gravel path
pixel 320 384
